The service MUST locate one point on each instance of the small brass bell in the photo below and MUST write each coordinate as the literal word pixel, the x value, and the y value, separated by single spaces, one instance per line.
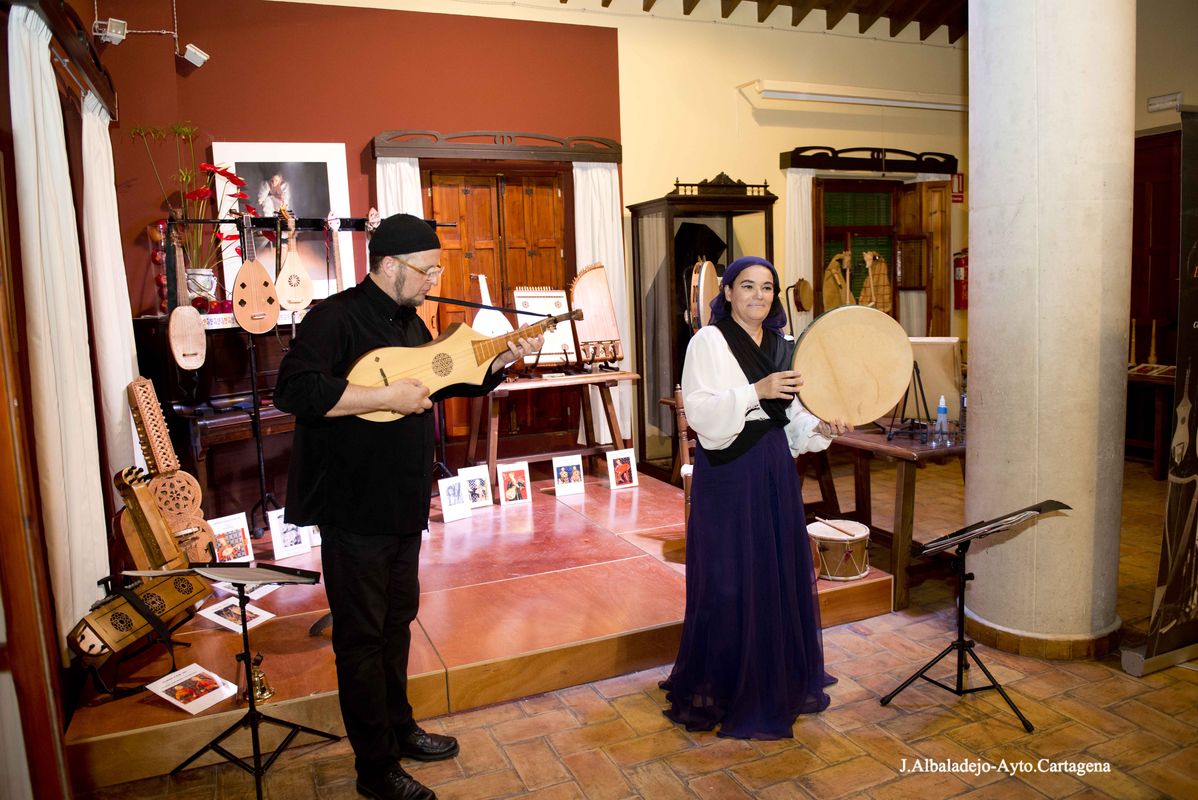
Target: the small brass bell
pixel 263 691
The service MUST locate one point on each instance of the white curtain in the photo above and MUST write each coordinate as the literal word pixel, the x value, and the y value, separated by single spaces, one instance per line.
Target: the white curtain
pixel 112 316
pixel 799 239
pixel 64 417
pixel 399 186
pixel 599 238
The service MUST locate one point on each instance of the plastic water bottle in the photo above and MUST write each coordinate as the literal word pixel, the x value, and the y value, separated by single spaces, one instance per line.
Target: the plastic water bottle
pixel 940 432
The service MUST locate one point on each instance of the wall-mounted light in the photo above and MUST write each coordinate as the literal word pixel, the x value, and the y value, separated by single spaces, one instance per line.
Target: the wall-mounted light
pixel 111 30
pixel 856 95
pixel 1164 102
pixel 194 54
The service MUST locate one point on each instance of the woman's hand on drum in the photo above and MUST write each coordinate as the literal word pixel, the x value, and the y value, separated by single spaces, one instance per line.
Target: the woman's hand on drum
pixel 779 385
pixel 832 428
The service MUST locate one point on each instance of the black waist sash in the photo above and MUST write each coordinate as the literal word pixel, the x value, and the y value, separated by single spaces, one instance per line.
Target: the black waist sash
pixel 756 362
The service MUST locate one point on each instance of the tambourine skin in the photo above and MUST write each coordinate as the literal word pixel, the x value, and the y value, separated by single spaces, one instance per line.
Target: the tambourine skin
pixel 856 364
pixel 709 287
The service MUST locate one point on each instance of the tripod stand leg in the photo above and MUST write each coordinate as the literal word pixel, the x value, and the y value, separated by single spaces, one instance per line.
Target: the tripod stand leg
pixel 1027 726
pixel 886 700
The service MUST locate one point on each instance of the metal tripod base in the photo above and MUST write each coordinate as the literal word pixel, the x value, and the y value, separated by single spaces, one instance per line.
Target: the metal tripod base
pixel 964 649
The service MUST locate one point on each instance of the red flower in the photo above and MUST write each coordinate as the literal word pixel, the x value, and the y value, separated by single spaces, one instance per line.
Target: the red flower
pixel 238 195
pixel 204 165
pixel 226 237
pixel 203 193
pixel 249 209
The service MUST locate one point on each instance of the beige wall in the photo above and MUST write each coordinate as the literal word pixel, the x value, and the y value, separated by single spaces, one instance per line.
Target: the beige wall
pixel 1166 57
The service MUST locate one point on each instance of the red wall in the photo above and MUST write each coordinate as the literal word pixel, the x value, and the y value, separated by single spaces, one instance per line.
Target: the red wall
pixel 282 72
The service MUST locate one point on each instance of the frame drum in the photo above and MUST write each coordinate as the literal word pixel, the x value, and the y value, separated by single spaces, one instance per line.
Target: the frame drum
pixel 856 364
pixel 840 553
pixel 709 287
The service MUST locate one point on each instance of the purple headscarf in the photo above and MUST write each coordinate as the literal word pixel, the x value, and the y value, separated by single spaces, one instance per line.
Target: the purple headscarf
pixel 720 308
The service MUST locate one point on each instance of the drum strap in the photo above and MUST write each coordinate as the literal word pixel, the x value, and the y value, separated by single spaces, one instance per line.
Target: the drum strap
pixel 756 362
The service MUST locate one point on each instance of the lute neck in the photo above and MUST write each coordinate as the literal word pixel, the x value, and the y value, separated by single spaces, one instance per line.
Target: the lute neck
pixel 487 349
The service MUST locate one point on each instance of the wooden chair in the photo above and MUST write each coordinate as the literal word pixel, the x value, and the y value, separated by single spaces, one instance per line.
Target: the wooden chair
pixel 684 446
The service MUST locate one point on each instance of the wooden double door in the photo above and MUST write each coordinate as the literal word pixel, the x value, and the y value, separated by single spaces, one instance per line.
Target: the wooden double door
pixel 509 226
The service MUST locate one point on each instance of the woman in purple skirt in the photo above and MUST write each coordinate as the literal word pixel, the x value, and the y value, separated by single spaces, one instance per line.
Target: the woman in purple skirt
pixel 751 657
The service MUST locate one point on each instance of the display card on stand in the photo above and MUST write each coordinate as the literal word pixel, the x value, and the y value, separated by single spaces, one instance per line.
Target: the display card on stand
pixel 478 485
pixel 567 475
pixel 231 538
pixel 514 483
pixel 621 468
pixel 455 501
pixel 227 613
pixel 288 539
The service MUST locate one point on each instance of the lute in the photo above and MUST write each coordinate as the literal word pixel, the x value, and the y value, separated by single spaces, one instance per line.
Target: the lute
pixel 460 355
pixel 294 284
pixel 185 328
pixel 333 224
pixel 255 303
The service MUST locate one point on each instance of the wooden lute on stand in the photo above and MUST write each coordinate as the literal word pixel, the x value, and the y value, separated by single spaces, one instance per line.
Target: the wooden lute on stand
pixel 185 328
pixel 255 302
pixel 461 355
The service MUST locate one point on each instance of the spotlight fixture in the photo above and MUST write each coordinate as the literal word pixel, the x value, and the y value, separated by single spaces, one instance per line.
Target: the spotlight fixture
pixel 111 30
pixel 194 54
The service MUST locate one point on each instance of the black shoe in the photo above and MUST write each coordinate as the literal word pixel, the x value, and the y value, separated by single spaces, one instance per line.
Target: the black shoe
pixel 394 784
pixel 424 746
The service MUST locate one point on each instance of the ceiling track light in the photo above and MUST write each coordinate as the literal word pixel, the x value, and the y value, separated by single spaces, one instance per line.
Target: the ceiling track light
pixel 114 31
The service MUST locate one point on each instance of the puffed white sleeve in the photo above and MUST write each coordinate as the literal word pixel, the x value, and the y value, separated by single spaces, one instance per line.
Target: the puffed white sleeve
pixel 715 391
pixel 800 431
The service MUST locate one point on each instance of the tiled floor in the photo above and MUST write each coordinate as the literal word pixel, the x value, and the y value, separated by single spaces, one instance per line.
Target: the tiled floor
pixel 609 740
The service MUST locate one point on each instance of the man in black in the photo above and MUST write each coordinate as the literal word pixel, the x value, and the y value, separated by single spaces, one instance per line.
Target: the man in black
pixel 367 485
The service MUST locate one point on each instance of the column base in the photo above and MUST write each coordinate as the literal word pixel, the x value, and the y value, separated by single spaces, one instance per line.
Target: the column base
pixel 1055 648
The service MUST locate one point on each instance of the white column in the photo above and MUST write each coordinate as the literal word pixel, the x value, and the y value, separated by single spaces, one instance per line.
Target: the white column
pixel 1051 127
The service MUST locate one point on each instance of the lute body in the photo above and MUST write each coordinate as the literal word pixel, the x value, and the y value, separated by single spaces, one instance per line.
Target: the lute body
pixel 185 328
pixel 255 302
pixel 460 355
pixel 294 284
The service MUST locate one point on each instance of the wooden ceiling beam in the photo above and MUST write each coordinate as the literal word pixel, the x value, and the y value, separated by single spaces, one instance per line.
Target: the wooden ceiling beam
pixel 898 21
pixel 799 9
pixel 688 6
pixel 937 17
pixel 647 5
pixel 727 7
pixel 765 8
pixel 958 27
pixel 866 19
pixel 835 13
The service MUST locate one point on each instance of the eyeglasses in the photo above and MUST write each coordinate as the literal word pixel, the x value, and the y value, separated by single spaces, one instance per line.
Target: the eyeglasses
pixel 433 273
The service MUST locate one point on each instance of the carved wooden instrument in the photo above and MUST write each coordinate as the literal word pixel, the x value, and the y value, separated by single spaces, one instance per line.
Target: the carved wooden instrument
pixel 294 284
pixel 255 303
pixel 599 334
pixel 151 427
pixel 185 328
pixel 147 534
pixel 333 223
pixel 114 623
pixel 461 355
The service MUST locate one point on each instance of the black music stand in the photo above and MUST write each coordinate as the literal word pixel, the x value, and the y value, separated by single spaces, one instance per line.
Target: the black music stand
pixel 240 575
pixel 964 647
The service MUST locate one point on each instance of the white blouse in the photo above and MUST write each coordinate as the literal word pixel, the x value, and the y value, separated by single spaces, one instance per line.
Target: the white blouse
pixel 719 398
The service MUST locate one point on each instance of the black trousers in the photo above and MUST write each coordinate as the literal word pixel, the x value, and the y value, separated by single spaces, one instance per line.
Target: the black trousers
pixel 373 589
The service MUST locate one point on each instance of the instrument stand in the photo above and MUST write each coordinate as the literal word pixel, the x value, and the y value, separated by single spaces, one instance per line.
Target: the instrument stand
pixel 907 426
pixel 963 648
pixel 265 498
pixel 440 466
pixel 253 718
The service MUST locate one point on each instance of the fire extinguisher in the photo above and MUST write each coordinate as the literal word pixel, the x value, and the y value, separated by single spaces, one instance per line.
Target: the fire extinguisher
pixel 961 280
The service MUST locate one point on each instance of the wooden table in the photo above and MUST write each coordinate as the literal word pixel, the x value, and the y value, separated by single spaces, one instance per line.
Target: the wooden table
pixel 1162 418
pixel 603 381
pixel 909 454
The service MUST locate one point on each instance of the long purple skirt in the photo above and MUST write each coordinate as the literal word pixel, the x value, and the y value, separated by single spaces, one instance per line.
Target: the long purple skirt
pixel 751 657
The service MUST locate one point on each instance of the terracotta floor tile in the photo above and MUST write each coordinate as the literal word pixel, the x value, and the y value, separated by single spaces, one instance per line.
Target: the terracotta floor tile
pixel 982 735
pixel 538 704
pixel 536 764
pixel 625 684
pixel 493 784
pixel 1174 700
pixel 647 748
pixel 1064 739
pixel 654 779
pixel 1113 689
pixel 641 712
pixel 586 704
pixel 562 791
pixel 821 739
pixel 789 790
pixel 1120 784
pixel 481 717
pixel 718 787
pixel 1132 750
pixel 785 766
pixel 944 749
pixel 479 753
pixel 881 745
pixel 431 773
pixel 1099 719
pixel 844 779
pixel 588 737
pixel 718 755
pixel 518 730
pixel 1006 788
pixel 925 786
pixel 922 724
pixel 1160 724
pixel 598 777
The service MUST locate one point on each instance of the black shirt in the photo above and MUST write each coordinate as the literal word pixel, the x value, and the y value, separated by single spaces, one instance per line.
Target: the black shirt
pixel 346 472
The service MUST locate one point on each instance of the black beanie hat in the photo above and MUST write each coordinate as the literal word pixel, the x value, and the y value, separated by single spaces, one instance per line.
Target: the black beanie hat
pixel 401 234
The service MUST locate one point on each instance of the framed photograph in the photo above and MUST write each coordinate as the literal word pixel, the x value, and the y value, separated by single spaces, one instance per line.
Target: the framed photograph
pixel 231 538
pixel 311 180
pixel 567 475
pixel 455 500
pixel 621 468
pixel 478 485
pixel 227 613
pixel 513 483
pixel 254 591
pixel 193 688
pixel 287 539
